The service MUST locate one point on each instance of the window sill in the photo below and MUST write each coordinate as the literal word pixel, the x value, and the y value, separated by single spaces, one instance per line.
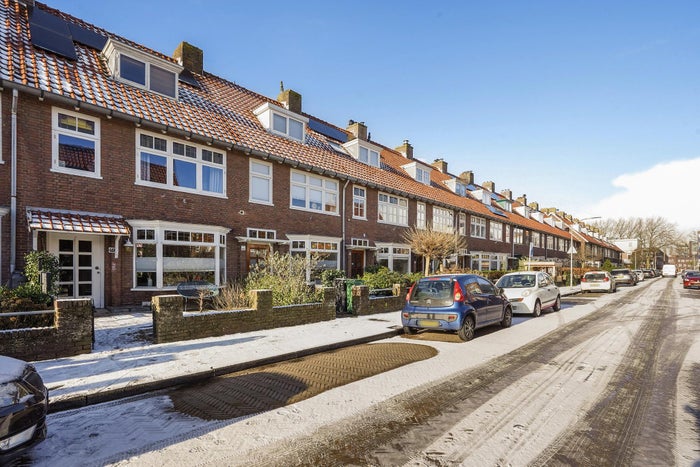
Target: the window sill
pixel 314 211
pixel 170 188
pixel 76 173
pixel 264 203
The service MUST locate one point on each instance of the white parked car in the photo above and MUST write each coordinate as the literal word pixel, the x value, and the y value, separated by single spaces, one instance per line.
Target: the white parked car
pixel 598 281
pixel 639 273
pixel 530 291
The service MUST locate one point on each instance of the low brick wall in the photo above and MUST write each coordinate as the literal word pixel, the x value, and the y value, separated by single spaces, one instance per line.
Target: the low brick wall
pixel 70 335
pixel 171 324
pixel 363 304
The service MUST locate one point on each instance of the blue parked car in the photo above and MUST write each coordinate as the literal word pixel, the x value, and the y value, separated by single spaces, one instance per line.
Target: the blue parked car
pixel 457 303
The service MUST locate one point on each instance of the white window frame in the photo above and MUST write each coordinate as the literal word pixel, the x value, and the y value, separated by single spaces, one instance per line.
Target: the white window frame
pixel 443 220
pixel 477 227
pixel 518 235
pixel 421 216
pixel 57 131
pixel 310 244
pixel 260 178
pixel 535 239
pixel 392 209
pixel 462 227
pixel 156 235
pixel 266 114
pixel 507 234
pixel 391 252
pixel 202 153
pixel 113 51
pixel 419 173
pixel 355 148
pixel 495 231
pixel 328 188
pixel 359 199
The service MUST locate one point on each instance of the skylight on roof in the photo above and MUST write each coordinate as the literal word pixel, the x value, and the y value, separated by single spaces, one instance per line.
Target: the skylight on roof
pixel 496 211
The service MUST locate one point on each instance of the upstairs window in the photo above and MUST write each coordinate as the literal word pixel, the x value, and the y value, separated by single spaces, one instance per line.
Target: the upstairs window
pixel 478 227
pixel 281 121
pixel 369 156
pixel 393 210
pixel 496 231
pixel 137 68
pixel 443 220
pixel 260 182
pixel 313 193
pixel 421 221
pixel 177 165
pixel 75 143
pixel 359 202
pixel 462 227
pixel 364 151
pixel 419 172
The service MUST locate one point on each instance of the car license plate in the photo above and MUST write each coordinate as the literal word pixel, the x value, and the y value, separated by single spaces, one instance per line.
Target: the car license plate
pixel 429 323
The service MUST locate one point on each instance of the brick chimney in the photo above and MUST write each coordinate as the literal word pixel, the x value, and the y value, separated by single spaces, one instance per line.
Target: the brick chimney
pixel 359 129
pixel 491 186
pixel 522 200
pixel 406 149
pixel 507 194
pixel 441 165
pixel 467 177
pixel 535 206
pixel 190 57
pixel 290 99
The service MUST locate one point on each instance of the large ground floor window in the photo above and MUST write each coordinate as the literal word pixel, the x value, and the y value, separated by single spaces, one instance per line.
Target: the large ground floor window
pixel 395 256
pixel 326 250
pixel 167 253
pixel 489 261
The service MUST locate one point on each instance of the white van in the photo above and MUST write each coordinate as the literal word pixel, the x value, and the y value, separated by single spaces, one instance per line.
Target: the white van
pixel 668 270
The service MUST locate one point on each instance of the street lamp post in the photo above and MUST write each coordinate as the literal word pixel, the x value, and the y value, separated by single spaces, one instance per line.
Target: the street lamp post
pixel 572 250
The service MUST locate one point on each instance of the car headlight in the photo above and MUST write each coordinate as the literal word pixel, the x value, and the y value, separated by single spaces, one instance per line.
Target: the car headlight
pixel 13 393
pixel 526 293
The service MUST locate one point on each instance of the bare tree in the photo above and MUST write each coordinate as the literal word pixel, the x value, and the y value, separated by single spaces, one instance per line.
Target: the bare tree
pixel 654 234
pixel 433 244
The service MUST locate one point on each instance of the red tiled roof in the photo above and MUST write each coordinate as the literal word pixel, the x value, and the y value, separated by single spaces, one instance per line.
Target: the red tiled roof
pixel 217 109
pixel 73 221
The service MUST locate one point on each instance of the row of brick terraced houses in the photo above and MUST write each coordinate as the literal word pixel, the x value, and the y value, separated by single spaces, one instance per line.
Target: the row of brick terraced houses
pixel 141 170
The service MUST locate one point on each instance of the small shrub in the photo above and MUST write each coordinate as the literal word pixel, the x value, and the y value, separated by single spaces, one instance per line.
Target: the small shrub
pixel 382 279
pixel 285 275
pixel 232 296
pixel 37 262
pixel 328 276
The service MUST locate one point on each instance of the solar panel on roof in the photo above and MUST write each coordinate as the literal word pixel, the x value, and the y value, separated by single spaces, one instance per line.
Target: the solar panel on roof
pixel 87 37
pixel 51 33
pixel 187 77
pixel 328 130
pixel 471 187
pixel 496 211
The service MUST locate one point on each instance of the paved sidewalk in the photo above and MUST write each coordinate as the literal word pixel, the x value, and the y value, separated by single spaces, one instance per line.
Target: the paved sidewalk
pixel 125 363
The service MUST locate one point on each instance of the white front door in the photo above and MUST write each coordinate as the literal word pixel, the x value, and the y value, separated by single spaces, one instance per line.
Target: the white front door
pixel 81 262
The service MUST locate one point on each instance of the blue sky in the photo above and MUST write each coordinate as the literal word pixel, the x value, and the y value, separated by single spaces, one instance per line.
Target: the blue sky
pixel 590 107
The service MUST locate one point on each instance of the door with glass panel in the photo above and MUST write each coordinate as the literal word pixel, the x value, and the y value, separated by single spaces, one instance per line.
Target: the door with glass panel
pixel 81 261
pixel 257 255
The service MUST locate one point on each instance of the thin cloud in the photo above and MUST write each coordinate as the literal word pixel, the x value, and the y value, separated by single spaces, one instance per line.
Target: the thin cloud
pixel 668 190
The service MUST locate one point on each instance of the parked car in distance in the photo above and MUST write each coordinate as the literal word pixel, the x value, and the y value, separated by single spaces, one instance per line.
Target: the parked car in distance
pixel 598 281
pixel 649 273
pixel 639 273
pixel 691 279
pixel 24 401
pixel 457 303
pixel 669 270
pixel 530 291
pixel 624 276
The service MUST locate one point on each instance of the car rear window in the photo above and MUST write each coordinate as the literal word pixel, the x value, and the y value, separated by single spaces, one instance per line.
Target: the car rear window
pixel 517 281
pixel 594 277
pixel 433 293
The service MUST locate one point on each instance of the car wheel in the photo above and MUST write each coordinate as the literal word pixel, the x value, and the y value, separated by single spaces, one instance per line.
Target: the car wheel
pixel 537 311
pixel 507 318
pixel 410 331
pixel 557 304
pixel 466 332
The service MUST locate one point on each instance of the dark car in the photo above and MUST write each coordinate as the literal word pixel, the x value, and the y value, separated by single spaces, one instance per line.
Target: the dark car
pixel 24 401
pixel 691 279
pixel 624 276
pixel 457 303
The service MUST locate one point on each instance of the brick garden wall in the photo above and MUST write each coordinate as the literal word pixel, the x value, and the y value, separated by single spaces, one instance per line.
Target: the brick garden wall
pixel 363 304
pixel 70 335
pixel 171 324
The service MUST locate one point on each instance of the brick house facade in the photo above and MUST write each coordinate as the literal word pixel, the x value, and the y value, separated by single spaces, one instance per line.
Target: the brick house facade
pixel 140 170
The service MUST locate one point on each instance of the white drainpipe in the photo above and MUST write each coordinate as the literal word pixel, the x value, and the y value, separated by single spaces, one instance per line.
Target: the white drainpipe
pixel 13 185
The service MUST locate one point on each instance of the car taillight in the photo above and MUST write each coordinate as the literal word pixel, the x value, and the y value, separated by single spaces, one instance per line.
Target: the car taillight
pixel 607 279
pixel 458 293
pixel 583 279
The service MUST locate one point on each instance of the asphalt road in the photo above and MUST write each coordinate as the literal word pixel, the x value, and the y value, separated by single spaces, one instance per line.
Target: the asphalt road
pixel 617 385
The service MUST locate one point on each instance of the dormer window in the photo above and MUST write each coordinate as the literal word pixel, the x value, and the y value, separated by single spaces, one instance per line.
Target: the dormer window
pixel 364 151
pixel 281 121
pixel 419 172
pixel 139 69
pixel 456 186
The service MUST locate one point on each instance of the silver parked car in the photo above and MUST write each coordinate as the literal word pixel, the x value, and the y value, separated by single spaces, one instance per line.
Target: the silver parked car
pixel 530 291
pixel 598 281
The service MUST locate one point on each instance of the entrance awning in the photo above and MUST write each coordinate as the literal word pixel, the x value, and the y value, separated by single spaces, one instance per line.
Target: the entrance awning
pixel 76 221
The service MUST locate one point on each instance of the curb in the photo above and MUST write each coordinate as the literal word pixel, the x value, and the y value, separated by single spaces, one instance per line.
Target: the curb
pixel 75 402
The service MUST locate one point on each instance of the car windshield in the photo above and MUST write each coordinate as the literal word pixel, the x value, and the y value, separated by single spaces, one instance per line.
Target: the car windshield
pixel 433 292
pixel 516 281
pixel 619 272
